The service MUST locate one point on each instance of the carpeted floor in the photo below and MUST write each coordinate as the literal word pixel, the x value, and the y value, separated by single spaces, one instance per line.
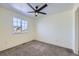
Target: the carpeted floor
pixel 37 48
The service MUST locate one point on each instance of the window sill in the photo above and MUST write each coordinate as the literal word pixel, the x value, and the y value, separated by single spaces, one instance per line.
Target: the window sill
pixel 20 32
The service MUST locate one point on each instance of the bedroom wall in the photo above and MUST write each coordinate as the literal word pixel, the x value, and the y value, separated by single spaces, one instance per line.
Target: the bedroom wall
pixel 57 29
pixel 77 27
pixel 7 38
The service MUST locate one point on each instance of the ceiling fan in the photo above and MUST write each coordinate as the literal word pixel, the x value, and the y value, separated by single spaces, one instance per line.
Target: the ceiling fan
pixel 37 10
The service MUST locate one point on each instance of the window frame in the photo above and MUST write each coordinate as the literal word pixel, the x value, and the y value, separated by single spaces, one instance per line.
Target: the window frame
pixel 20 30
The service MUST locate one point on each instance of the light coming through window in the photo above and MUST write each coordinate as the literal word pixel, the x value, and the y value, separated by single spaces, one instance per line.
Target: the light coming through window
pixel 19 24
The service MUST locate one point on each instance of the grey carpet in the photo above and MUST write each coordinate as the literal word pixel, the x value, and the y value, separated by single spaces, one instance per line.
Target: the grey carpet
pixel 37 48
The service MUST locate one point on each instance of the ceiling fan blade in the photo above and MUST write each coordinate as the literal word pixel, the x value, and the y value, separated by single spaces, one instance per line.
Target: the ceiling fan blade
pixel 31 12
pixel 42 7
pixel 31 6
pixel 42 13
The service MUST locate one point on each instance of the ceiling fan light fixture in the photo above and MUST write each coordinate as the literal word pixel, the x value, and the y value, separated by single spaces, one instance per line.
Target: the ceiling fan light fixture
pixel 37 10
pixel 36 14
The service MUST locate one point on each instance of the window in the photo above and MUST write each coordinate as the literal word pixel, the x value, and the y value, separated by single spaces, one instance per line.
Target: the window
pixel 19 25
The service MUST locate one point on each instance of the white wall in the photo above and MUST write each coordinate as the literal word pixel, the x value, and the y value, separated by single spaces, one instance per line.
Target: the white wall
pixel 75 29
pixel 57 29
pixel 78 29
pixel 76 32
pixel 7 38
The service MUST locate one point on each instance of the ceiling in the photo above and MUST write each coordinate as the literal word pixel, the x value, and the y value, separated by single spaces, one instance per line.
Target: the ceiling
pixel 23 8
